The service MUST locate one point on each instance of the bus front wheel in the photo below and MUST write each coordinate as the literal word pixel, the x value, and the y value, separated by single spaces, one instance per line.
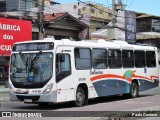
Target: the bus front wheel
pixel 80 97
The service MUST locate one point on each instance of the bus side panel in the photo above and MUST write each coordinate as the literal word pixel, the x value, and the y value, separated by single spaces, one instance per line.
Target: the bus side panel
pixel 111 87
pixel 112 83
pixel 83 77
pixel 152 79
pixel 145 85
pixel 65 95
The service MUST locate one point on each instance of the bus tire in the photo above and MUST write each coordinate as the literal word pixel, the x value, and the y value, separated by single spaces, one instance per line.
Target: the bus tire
pixel 80 97
pixel 134 90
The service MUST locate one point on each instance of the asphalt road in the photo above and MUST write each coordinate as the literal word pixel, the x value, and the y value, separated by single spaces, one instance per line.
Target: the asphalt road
pixel 16 106
pixel 148 101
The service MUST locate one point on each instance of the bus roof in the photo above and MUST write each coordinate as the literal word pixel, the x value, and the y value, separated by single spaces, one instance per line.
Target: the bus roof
pixel 95 43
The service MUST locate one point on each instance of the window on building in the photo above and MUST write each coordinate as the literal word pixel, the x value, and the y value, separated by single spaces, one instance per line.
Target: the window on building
pixel 3 6
pixel 84 8
pixel 99 58
pixel 127 58
pixel 100 11
pixel 114 58
pixel 139 59
pixel 150 59
pixel 92 10
pixel 144 25
pixel 12 5
pixel 82 58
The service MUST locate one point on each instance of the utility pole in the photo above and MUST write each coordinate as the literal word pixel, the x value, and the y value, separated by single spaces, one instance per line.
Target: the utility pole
pixel 120 6
pixel 41 19
pixel 113 13
pixel 115 8
pixel 112 32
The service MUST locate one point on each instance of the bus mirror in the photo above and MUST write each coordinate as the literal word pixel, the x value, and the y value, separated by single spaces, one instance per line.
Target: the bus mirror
pixel 62 58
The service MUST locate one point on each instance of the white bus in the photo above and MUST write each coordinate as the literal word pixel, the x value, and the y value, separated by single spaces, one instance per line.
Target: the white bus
pixel 52 71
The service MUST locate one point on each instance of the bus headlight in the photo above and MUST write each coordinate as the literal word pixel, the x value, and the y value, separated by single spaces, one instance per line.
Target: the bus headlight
pixel 48 88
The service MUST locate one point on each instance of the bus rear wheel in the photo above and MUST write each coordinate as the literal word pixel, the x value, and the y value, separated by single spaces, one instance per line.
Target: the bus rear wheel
pixel 134 91
pixel 80 97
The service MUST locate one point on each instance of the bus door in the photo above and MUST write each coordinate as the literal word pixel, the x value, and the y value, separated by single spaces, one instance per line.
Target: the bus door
pixel 116 84
pixel 64 78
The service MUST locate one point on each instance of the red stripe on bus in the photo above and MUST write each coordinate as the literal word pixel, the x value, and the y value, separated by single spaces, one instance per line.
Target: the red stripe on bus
pixel 120 77
pixel 106 76
pixel 151 77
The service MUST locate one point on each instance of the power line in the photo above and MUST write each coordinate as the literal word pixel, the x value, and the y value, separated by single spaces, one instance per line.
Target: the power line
pixel 58 10
pixel 105 11
pixel 55 9
pixel 131 3
pixel 108 3
pixel 126 2
pixel 83 3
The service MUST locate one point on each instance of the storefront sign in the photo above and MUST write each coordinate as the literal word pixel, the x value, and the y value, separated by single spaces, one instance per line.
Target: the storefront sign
pixel 12 31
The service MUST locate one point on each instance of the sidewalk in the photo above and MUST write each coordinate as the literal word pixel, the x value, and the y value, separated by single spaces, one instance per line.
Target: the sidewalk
pixel 4 94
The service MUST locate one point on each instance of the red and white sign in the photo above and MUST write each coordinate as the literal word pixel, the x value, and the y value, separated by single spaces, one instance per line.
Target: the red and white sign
pixel 12 31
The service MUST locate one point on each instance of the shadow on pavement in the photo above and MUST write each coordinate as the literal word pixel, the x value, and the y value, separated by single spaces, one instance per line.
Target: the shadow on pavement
pixel 70 104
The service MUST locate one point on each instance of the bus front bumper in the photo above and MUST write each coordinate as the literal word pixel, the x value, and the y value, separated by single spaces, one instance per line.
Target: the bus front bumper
pixel 34 98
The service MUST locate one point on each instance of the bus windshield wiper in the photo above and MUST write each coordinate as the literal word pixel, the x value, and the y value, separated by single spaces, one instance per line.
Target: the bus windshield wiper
pixel 25 62
pixel 23 58
pixel 36 58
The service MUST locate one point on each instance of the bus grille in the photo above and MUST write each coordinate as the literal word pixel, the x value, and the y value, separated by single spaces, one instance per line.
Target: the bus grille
pixel 33 98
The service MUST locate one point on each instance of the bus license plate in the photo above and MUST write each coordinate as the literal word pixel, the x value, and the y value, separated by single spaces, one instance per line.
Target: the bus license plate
pixel 27 100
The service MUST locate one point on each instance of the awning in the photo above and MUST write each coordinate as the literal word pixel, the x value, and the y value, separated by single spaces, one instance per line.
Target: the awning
pixel 100 34
pixel 103 34
pixel 147 35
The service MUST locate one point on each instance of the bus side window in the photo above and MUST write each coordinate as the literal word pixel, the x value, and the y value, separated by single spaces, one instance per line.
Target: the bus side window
pixel 150 59
pixel 139 59
pixel 63 66
pixel 82 58
pixel 114 58
pixel 127 58
pixel 99 58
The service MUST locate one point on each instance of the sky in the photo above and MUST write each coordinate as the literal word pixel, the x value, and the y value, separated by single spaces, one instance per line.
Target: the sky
pixel 144 6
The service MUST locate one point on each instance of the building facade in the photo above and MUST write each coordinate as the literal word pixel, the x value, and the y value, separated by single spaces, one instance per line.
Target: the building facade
pixel 17 5
pixel 148 29
pixel 64 25
pixel 96 16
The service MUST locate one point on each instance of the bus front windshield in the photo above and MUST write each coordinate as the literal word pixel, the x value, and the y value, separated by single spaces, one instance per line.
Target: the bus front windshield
pixel 31 67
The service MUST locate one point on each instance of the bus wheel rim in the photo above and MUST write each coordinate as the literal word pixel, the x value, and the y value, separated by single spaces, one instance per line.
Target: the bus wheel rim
pixel 79 97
